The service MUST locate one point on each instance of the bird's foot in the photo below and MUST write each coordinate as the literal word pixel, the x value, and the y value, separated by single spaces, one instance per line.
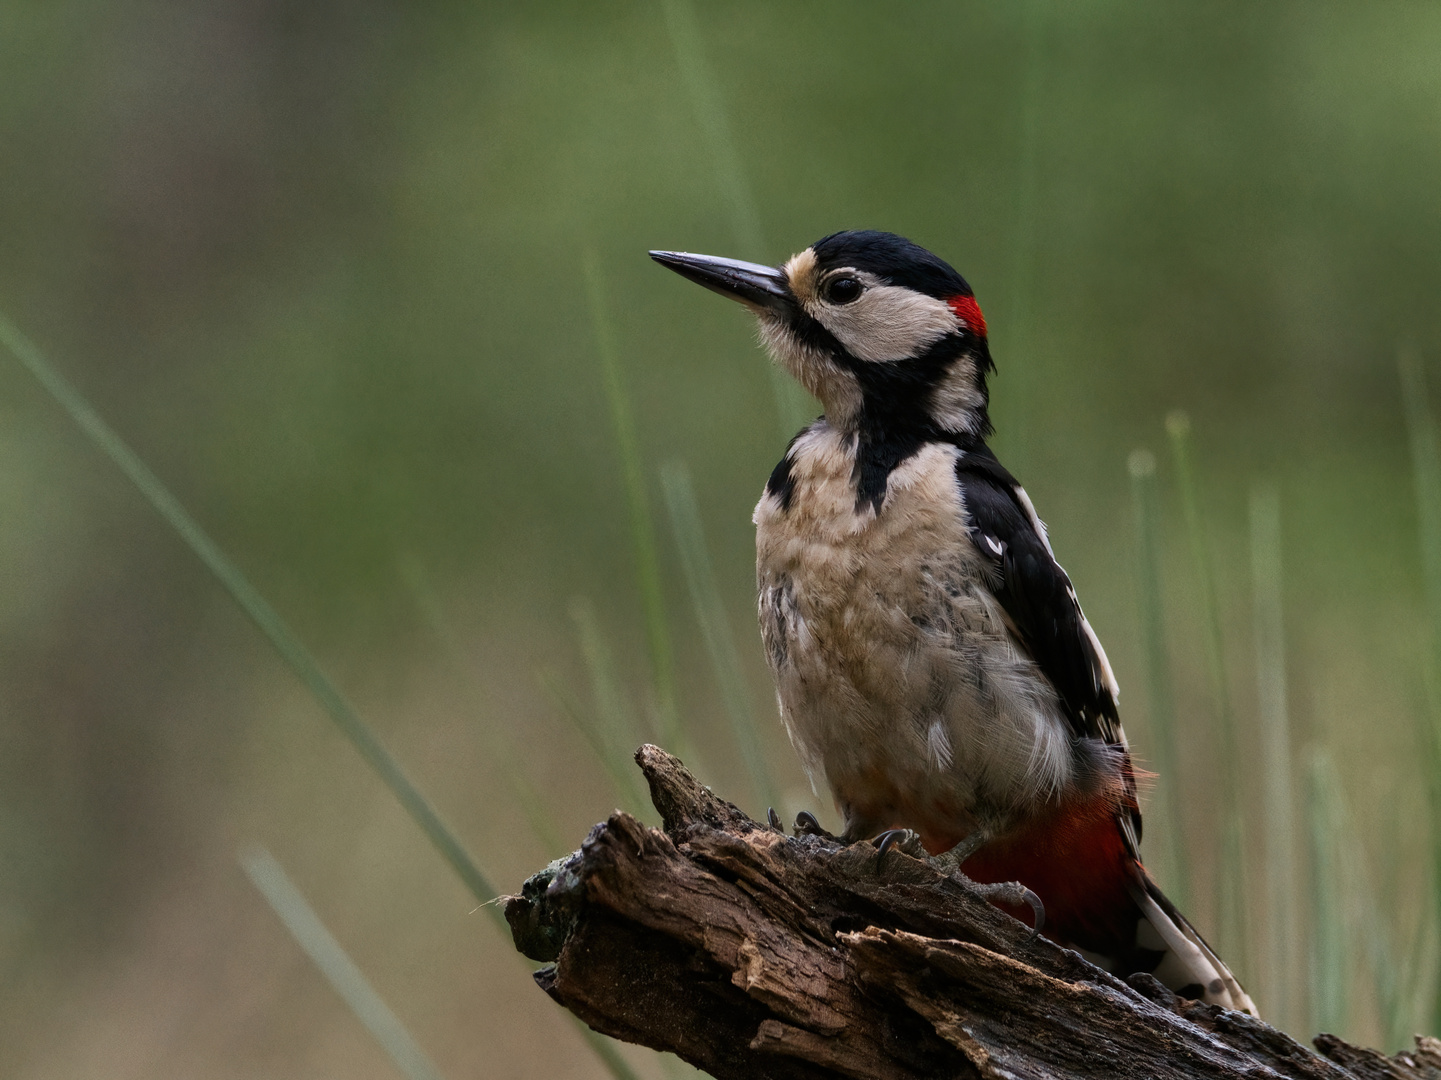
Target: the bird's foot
pixel 775 820
pixel 1010 893
pixel 808 825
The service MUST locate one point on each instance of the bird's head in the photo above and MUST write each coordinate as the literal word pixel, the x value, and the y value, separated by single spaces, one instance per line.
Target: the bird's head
pixel 885 334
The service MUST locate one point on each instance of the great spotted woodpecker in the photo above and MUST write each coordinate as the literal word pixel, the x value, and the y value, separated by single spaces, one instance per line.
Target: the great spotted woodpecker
pixel 931 660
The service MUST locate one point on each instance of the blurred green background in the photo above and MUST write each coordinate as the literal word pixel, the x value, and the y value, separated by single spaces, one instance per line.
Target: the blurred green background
pixel 325 267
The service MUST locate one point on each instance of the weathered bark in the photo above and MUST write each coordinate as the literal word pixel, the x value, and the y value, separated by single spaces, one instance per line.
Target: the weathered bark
pixel 752 954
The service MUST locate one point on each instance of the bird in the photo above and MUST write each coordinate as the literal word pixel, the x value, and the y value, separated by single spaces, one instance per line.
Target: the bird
pixel 932 663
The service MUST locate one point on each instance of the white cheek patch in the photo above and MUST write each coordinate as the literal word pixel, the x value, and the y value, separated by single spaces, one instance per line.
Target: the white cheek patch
pixel 957 401
pixel 888 322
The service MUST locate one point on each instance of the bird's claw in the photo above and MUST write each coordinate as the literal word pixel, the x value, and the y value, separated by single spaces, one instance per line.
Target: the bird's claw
pixel 807 824
pixel 904 840
pixel 775 820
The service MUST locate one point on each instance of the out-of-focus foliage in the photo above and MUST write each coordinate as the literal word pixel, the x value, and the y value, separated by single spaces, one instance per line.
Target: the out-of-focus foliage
pixel 324 266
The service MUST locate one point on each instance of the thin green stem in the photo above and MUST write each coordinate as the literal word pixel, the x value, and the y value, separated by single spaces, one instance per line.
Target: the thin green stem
pixel 1230 881
pixel 1331 931
pixel 613 735
pixel 1019 331
pixel 256 607
pixel 335 964
pixel 432 613
pixel 1426 476
pixel 715 625
pixel 642 523
pixel 280 636
pixel 1280 837
pixel 1146 502
pixel 793 408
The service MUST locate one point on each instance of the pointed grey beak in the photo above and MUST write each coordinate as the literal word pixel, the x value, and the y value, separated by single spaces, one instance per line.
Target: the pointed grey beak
pixel 759 287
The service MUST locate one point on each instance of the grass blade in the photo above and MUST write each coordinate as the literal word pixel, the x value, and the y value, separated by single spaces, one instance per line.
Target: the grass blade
pixel 1230 880
pixel 256 607
pixel 794 408
pixel 1280 831
pixel 616 730
pixel 1351 923
pixel 339 970
pixel 1020 339
pixel 432 614
pixel 532 802
pixel 280 636
pixel 642 522
pixel 1146 501
pixel 1426 476
pixel 715 626
pixel 1330 929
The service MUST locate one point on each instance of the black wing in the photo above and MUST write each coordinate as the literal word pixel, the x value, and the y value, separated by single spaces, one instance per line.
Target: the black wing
pixel 1037 595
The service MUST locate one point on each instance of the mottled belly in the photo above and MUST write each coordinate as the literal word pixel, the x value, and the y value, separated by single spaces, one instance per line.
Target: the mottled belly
pixel 899 683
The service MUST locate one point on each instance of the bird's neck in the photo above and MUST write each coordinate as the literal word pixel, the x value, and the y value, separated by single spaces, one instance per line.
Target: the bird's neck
pixel 940 396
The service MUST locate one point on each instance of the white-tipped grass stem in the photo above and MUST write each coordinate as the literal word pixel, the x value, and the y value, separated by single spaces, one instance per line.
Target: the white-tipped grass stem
pixel 1280 839
pixel 793 407
pixel 715 626
pixel 642 522
pixel 335 964
pixel 1230 879
pixel 1146 502
pixel 1426 476
pixel 281 638
pixel 1331 946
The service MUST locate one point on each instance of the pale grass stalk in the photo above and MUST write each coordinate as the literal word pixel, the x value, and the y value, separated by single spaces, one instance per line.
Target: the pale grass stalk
pixel 1426 477
pixel 287 901
pixel 276 631
pixel 720 640
pixel 1280 838
pixel 282 639
pixel 1231 876
pixel 1160 697
pixel 1331 946
pixel 642 522
pixel 794 408
pixel 1351 922
pixel 1020 338
pixel 532 803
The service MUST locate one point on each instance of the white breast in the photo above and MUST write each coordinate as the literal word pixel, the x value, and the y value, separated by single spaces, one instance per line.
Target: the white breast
pixel 898 681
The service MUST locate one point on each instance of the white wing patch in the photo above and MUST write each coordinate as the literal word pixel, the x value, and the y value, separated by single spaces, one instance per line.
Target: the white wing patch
pixel 1108 677
pixel 1036 522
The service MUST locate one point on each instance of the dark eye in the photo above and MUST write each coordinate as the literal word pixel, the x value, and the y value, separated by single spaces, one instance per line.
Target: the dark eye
pixel 843 290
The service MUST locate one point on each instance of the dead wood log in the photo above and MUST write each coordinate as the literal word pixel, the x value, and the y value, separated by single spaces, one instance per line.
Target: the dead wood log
pixel 752 954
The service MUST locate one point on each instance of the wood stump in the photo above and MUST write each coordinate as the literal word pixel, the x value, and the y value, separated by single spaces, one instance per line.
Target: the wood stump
pixel 751 954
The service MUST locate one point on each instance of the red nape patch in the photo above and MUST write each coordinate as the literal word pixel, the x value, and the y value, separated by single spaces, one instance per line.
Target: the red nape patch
pixel 969 312
pixel 1076 861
